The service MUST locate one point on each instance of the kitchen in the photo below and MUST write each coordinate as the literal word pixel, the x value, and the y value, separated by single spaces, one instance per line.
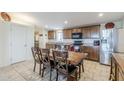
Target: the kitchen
pixel 73 32
pixel 88 37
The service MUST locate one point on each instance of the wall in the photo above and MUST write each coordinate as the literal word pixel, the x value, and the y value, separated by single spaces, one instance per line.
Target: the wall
pixel 118 24
pixel 44 36
pixel 6 43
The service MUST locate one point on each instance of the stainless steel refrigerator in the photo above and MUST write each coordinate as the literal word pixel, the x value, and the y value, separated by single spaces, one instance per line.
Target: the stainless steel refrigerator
pixel 106 46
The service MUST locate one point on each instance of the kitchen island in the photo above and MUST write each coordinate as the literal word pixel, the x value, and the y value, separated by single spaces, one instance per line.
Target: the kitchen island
pixel 117 67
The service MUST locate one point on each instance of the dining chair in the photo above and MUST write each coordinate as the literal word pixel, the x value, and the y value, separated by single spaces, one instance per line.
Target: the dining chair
pixel 79 57
pixel 82 64
pixel 37 58
pixel 47 62
pixel 63 67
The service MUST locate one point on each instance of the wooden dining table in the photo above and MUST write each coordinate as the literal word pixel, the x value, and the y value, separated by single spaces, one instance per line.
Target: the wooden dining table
pixel 74 58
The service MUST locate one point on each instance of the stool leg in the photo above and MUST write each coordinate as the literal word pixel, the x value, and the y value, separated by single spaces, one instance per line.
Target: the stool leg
pixel 50 73
pixel 40 69
pixel 34 66
pixel 82 67
pixel 76 75
pixel 57 76
pixel 79 71
pixel 43 71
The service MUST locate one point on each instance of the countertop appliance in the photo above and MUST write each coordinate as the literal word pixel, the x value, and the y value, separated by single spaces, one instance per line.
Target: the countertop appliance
pixel 76 45
pixel 76 35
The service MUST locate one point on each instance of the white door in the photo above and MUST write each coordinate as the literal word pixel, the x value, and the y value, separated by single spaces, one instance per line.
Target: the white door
pixel 30 43
pixel 18 43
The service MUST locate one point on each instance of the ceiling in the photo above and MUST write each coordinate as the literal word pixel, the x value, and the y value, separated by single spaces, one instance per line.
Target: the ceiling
pixel 55 20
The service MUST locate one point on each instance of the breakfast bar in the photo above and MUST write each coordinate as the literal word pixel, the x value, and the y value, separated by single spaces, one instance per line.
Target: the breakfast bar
pixel 117 67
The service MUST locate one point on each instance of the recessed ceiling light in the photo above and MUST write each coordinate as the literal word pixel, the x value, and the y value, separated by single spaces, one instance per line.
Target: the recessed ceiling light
pixel 101 14
pixel 66 22
pixel 56 28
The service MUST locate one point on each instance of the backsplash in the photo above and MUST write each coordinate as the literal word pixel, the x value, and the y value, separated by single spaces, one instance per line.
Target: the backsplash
pixel 86 41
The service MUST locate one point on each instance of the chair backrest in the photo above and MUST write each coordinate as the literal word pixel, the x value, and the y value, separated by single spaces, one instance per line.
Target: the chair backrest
pixel 60 57
pixel 36 52
pixel 45 56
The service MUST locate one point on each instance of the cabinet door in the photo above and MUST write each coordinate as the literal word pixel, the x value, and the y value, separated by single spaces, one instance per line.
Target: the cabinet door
pixel 95 32
pixel 51 34
pixel 114 70
pixel 67 34
pixel 86 32
pixel 120 75
pixel 64 34
pixel 76 30
pixel 86 49
pixel 94 53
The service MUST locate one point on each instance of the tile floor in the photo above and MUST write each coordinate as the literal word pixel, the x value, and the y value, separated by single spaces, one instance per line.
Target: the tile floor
pixel 23 71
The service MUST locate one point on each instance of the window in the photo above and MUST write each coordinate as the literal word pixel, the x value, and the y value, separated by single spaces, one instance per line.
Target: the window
pixel 59 35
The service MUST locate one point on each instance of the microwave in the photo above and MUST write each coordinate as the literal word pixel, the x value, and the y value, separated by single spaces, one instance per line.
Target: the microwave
pixel 76 35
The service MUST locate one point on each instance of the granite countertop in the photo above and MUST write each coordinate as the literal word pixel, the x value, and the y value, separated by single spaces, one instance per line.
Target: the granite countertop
pixel 87 44
pixel 119 57
pixel 60 43
pixel 69 43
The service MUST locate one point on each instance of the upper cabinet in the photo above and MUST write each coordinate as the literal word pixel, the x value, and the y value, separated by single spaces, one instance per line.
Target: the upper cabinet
pixel 95 32
pixel 51 34
pixel 76 30
pixel 67 33
pixel 86 32
pixel 90 32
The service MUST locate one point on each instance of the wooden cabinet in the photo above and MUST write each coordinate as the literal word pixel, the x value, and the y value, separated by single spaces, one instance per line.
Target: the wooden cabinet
pixel 117 68
pixel 95 32
pixel 120 74
pixel 67 34
pixel 91 32
pixel 86 32
pixel 86 49
pixel 76 30
pixel 93 52
pixel 113 75
pixel 51 34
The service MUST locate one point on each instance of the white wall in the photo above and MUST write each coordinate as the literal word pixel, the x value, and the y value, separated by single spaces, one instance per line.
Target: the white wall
pixel 43 38
pixel 6 42
pixel 118 25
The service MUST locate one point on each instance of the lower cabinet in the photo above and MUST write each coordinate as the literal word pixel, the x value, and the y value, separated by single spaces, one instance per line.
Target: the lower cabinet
pixel 93 52
pixel 113 72
pixel 116 73
pixel 120 74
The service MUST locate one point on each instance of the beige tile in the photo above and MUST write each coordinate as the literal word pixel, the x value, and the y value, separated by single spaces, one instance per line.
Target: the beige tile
pixel 24 71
